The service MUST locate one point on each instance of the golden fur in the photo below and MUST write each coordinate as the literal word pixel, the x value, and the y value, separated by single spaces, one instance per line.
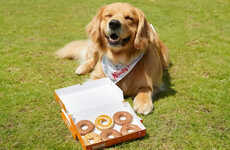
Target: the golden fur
pixel 134 36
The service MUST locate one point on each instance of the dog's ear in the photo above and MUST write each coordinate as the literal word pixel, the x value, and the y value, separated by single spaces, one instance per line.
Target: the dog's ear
pixel 162 49
pixel 93 29
pixel 147 35
pixel 143 35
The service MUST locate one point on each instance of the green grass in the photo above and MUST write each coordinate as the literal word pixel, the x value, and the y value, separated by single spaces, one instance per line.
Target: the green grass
pixel 194 113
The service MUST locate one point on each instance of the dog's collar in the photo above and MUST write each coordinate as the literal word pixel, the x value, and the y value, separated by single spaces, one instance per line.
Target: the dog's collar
pixel 118 71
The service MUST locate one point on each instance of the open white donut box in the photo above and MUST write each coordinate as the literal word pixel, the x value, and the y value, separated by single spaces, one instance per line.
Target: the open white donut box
pixel 89 100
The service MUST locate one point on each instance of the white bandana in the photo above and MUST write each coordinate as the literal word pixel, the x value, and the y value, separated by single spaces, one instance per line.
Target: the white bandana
pixel 118 71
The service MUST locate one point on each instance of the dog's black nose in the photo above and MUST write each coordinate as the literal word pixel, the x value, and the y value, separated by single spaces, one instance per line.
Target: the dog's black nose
pixel 114 24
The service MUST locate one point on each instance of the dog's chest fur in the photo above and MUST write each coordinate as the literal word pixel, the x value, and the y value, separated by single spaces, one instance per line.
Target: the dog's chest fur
pixel 141 75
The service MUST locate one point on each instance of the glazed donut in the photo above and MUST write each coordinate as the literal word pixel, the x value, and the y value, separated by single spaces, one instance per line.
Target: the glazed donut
pixel 82 123
pixel 117 118
pixel 103 118
pixel 109 132
pixel 125 129
pixel 95 138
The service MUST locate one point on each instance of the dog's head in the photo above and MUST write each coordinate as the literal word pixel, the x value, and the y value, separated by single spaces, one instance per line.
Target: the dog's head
pixel 119 27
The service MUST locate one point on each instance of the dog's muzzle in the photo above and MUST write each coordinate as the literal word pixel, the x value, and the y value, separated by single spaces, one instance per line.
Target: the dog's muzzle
pixel 113 35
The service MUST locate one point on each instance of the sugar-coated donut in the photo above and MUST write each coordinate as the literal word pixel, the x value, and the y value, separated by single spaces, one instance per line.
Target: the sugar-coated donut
pixel 125 128
pixel 89 124
pixel 109 132
pixel 99 122
pixel 92 137
pixel 117 118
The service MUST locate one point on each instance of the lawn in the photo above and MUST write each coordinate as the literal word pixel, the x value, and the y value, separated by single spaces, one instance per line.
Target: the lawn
pixel 193 113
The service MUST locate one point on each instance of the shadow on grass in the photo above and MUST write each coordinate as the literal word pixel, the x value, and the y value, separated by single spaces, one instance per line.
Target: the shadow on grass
pixel 167 89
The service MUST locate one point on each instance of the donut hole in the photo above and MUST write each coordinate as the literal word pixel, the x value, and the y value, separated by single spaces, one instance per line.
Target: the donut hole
pixel 84 127
pixel 91 141
pixel 130 131
pixel 104 122
pixel 111 136
pixel 122 118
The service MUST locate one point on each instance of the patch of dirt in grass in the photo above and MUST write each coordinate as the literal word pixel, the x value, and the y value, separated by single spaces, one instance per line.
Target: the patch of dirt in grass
pixel 206 74
pixel 9 125
pixel 196 42
pixel 22 110
pixel 13 69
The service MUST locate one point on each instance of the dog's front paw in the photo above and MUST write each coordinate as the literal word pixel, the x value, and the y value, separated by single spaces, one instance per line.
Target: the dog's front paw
pixel 143 104
pixel 82 69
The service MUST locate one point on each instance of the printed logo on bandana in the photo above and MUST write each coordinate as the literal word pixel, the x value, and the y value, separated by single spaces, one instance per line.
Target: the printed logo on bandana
pixel 118 71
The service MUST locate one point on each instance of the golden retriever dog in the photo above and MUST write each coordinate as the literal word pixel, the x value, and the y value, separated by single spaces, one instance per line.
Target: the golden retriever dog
pixel 121 33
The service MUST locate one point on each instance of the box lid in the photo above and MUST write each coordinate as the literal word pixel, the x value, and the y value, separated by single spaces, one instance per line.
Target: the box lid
pixel 89 95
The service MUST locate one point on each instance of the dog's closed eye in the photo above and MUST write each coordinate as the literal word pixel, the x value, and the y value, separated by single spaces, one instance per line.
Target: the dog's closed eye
pixel 108 15
pixel 129 18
